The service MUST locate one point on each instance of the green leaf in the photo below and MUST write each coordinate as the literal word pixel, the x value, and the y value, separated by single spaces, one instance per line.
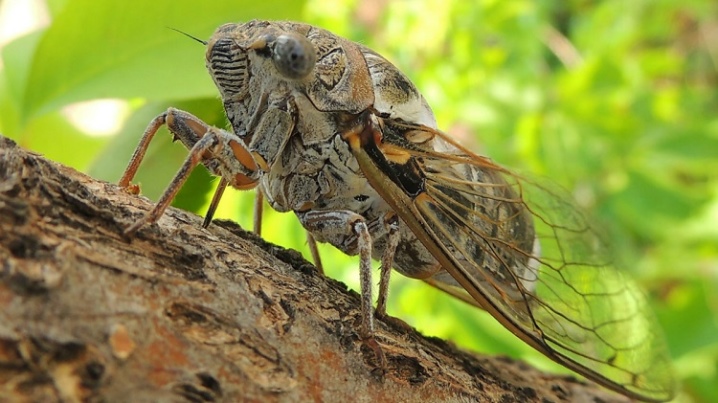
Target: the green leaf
pixel 16 56
pixel 101 49
pixel 685 306
pixel 691 145
pixel 651 207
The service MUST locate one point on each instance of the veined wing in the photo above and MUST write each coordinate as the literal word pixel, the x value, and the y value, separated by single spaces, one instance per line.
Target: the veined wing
pixel 519 250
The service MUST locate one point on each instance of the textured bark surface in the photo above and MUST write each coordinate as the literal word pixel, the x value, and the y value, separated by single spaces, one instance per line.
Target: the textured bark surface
pixel 180 313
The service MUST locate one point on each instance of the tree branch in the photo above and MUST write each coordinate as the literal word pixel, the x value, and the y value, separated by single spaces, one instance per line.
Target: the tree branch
pixel 180 313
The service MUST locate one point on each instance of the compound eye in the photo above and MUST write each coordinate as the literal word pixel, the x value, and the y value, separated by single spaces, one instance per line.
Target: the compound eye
pixel 294 56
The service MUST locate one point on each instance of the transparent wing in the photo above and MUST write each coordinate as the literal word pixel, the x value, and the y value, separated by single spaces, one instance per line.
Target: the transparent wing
pixel 526 254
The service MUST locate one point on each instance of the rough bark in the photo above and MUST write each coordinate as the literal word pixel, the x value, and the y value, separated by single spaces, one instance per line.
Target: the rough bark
pixel 182 313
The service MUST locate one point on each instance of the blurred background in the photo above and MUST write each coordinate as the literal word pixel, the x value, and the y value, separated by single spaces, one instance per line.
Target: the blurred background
pixel 617 101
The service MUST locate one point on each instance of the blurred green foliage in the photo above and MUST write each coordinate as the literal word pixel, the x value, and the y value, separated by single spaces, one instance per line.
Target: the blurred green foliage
pixel 617 101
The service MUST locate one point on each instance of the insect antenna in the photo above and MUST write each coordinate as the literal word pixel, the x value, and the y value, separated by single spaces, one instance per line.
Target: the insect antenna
pixel 188 35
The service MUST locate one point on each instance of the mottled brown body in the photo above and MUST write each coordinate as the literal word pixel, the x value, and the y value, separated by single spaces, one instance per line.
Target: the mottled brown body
pixel 332 131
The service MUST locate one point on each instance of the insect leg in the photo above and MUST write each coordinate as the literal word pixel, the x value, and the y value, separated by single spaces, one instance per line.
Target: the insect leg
pixel 215 202
pixel 344 224
pixel 223 153
pixel 364 246
pixel 214 146
pixel 387 261
pixel 258 204
pixel 207 143
pixel 184 127
pixel 312 243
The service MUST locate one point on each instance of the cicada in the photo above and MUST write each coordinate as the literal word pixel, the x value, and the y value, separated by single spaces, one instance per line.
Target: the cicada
pixel 332 131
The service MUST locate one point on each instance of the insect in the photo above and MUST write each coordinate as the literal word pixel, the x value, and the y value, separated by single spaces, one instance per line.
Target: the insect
pixel 332 131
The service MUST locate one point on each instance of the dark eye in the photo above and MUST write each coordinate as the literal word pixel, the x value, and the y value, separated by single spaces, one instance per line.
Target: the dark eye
pixel 294 56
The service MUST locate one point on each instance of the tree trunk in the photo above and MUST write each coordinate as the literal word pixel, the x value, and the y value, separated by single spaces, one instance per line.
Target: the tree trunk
pixel 182 313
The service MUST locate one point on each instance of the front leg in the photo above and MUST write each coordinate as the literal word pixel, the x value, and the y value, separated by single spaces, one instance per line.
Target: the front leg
pixel 223 153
